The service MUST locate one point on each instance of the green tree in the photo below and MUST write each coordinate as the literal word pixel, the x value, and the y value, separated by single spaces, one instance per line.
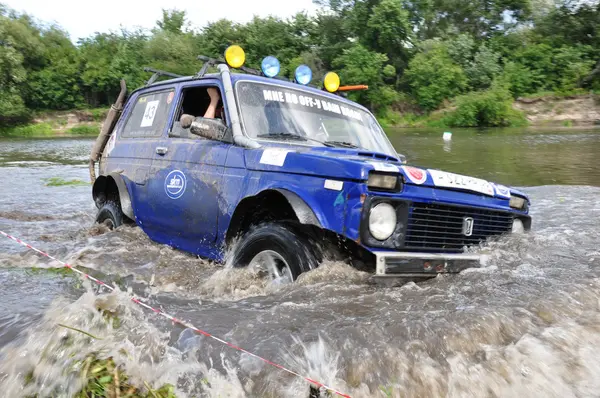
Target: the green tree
pixel 358 65
pixel 433 76
pixel 518 79
pixel 172 21
pixel 388 31
pixel 55 84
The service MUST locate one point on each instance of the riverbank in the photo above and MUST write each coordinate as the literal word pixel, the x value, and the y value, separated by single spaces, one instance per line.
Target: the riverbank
pixel 543 110
pixel 86 122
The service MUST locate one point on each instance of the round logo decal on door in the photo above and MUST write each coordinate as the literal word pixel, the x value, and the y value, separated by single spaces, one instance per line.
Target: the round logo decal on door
pixel 175 184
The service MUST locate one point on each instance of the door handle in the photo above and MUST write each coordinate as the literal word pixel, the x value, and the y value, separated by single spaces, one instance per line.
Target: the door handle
pixel 161 150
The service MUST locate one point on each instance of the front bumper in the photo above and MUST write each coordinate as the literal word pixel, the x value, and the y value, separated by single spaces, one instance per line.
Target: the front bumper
pixel 411 264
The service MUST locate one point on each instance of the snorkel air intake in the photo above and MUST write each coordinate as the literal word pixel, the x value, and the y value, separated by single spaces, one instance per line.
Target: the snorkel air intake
pixel 107 130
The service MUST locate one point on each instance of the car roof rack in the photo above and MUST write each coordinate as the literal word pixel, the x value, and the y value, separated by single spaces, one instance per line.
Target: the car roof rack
pixel 158 73
pixel 208 62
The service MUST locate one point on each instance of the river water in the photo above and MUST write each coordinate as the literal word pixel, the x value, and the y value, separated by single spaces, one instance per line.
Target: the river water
pixel 525 324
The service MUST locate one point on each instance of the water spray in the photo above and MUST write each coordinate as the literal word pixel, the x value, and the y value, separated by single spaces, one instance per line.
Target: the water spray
pixel 318 384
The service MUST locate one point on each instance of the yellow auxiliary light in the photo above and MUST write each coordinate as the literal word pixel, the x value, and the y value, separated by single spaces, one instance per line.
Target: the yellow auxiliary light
pixel 331 82
pixel 235 56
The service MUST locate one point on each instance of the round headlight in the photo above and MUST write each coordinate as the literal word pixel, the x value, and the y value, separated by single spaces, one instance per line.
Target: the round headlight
pixel 382 221
pixel 517 227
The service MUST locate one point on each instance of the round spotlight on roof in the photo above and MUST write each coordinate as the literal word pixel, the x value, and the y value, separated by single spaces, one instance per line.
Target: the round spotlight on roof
pixel 303 74
pixel 270 66
pixel 331 82
pixel 235 56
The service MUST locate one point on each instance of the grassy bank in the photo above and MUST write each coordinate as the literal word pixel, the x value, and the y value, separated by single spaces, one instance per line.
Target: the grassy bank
pixel 495 108
pixel 46 130
pixel 490 108
pixel 79 122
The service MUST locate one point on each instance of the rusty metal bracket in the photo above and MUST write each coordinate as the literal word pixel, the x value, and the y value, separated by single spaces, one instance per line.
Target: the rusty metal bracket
pixel 158 73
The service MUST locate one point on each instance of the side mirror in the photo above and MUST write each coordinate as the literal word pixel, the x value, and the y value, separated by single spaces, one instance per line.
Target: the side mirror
pixel 401 158
pixel 212 129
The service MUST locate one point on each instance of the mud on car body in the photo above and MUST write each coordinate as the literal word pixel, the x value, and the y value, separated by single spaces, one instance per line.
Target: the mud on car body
pixel 284 175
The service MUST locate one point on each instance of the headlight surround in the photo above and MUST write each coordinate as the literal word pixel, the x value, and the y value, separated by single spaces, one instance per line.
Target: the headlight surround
pixel 517 202
pixel 379 181
pixel 382 221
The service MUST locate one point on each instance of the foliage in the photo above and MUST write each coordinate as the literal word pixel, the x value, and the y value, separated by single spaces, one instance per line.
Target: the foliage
pixel 103 378
pixel 85 129
pixel 433 76
pixel 59 182
pixel 492 107
pixel 31 130
pixel 358 65
pixel 430 50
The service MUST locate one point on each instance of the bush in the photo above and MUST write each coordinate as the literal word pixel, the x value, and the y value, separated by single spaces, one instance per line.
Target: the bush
pixel 99 114
pixel 433 77
pixel 490 108
pixel 519 79
pixel 30 130
pixel 84 130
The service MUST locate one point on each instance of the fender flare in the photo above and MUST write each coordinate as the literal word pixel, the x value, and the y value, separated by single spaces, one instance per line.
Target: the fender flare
pixel 304 212
pixel 100 185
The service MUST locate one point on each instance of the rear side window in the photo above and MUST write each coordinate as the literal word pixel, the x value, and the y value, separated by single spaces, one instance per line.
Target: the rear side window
pixel 149 115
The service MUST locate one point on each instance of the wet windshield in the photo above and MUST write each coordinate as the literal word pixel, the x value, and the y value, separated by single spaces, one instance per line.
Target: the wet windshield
pixel 275 112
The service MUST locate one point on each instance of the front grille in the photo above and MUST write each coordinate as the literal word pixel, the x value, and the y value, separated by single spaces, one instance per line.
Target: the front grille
pixel 440 227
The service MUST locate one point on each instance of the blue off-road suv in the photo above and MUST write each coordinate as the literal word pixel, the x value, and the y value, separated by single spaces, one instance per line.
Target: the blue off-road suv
pixel 253 169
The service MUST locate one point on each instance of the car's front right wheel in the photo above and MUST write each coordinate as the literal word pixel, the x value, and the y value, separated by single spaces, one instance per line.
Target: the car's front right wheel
pixel 279 251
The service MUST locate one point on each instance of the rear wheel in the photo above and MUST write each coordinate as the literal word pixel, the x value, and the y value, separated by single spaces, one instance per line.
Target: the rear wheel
pixel 279 251
pixel 110 214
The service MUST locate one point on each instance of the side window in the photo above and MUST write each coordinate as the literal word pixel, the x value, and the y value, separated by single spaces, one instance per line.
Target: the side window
pixel 197 101
pixel 149 115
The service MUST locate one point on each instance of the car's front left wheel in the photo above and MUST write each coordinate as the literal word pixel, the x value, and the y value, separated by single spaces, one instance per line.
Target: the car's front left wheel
pixel 279 251
pixel 110 214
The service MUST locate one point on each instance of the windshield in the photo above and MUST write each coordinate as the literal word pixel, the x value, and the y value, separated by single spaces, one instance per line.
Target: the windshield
pixel 280 113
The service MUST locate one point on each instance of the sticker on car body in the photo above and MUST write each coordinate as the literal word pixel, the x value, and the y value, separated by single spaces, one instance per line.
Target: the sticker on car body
pixel 380 166
pixel 175 184
pixel 111 143
pixel 274 157
pixel 415 175
pixel 334 185
pixel 451 180
pixel 501 190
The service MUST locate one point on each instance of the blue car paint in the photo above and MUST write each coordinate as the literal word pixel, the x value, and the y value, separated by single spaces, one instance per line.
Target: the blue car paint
pixel 220 175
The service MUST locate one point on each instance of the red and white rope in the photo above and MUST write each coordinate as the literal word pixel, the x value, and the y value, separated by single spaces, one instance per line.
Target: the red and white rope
pixel 175 320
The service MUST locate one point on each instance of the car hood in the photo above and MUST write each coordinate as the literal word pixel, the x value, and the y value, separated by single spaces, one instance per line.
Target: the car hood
pixel 352 164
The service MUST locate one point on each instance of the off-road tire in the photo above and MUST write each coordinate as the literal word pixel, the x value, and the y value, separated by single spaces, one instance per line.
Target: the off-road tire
pixel 110 214
pixel 299 251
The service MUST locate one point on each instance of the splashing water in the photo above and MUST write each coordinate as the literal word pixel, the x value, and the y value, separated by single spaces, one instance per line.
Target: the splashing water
pixel 525 324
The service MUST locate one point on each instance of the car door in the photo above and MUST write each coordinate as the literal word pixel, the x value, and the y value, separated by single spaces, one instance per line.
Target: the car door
pixel 187 174
pixel 132 149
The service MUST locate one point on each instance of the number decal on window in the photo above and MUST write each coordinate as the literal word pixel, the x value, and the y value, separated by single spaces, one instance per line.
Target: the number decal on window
pixel 149 113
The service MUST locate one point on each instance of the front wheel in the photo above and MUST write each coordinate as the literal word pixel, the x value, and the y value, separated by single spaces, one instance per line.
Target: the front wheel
pixel 110 214
pixel 278 251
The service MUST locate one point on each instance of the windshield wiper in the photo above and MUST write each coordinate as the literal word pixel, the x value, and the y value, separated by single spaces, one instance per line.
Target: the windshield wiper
pixel 283 136
pixel 290 136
